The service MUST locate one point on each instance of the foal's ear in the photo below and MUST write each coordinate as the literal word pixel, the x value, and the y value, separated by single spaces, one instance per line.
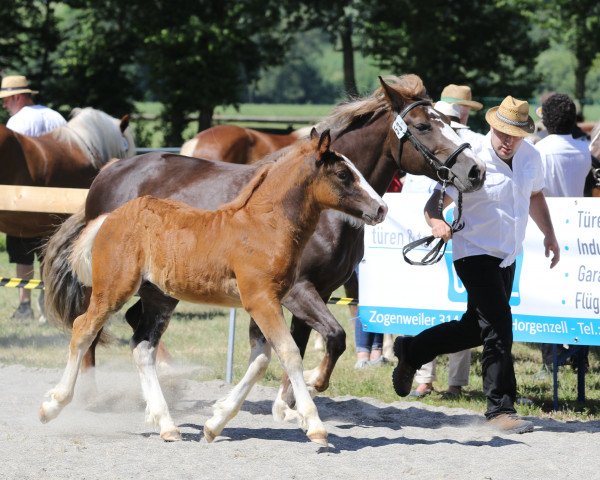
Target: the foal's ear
pixel 313 133
pixel 324 142
pixel 393 97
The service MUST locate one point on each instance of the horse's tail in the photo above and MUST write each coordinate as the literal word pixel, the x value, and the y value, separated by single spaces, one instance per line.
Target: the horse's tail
pixel 66 296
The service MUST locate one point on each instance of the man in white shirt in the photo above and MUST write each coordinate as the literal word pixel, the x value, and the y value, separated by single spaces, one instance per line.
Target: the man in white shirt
pixel 33 120
pixel 567 162
pixel 484 254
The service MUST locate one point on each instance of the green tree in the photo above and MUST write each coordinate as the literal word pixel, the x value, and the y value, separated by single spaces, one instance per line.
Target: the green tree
pixel 95 61
pixel 342 20
pixel 480 43
pixel 29 37
pixel 202 54
pixel 575 24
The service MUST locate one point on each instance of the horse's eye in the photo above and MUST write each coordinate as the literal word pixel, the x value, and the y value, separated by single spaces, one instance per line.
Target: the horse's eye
pixel 423 127
pixel 343 175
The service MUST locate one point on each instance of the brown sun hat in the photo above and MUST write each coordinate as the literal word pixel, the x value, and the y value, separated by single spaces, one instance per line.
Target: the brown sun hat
pixel 511 117
pixel 461 95
pixel 13 85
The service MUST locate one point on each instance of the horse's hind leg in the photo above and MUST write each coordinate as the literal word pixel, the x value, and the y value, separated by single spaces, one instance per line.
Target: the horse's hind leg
pixel 88 371
pixel 150 317
pixel 85 329
pixel 226 408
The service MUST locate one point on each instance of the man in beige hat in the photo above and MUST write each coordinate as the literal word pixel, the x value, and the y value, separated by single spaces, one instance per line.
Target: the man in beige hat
pixel 484 254
pixel 460 96
pixel 33 120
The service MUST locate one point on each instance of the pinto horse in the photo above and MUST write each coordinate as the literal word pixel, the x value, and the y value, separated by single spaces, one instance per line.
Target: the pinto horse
pixel 233 144
pixel 242 255
pixel 69 156
pixel 361 129
pixel 592 181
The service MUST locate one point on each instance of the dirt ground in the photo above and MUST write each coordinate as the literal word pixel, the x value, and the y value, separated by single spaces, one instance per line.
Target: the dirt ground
pixel 369 439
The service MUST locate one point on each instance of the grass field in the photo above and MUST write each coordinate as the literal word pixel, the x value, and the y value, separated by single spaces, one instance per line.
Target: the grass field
pixel 148 132
pixel 198 335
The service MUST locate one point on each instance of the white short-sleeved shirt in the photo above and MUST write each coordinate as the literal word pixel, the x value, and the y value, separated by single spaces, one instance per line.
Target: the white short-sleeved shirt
pixel 35 120
pixel 468 135
pixel 418 184
pixel 566 162
pixel 496 215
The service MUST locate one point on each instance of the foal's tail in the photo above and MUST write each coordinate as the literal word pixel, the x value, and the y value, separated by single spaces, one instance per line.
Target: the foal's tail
pixel 66 296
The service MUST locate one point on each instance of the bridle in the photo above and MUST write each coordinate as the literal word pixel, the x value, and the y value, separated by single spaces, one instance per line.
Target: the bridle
pixel 445 176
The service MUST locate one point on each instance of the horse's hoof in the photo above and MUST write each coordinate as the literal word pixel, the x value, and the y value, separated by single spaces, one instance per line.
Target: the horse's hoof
pixel 318 437
pixel 209 435
pixel 42 415
pixel 46 412
pixel 171 436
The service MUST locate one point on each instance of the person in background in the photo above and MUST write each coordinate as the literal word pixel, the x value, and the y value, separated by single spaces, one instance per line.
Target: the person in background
pixel 369 346
pixel 33 120
pixel 566 162
pixel 484 253
pixel 461 96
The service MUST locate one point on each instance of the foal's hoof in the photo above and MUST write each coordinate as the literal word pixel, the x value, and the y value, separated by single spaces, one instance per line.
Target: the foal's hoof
pixel 171 436
pixel 42 415
pixel 209 435
pixel 318 437
pixel 49 410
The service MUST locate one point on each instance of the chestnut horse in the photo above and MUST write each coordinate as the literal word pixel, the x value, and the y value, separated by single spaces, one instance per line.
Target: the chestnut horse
pixel 69 156
pixel 233 144
pixel 361 128
pixel 244 254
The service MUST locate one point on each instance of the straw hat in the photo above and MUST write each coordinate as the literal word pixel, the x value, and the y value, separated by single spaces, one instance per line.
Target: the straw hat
pixel 451 111
pixel 511 117
pixel 461 95
pixel 13 85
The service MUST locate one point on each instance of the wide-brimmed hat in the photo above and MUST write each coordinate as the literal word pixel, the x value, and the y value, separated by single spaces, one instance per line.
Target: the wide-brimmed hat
pixel 13 85
pixel 511 117
pixel 451 111
pixel 461 95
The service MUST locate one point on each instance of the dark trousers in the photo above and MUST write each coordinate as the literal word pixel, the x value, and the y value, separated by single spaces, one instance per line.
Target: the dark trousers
pixel 487 322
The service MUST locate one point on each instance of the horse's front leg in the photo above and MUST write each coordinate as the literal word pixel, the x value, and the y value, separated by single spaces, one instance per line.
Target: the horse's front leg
pixel 226 408
pixel 310 311
pixel 88 385
pixel 269 318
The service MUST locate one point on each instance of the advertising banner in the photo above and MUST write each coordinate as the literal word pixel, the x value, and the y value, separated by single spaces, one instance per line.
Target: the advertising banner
pixel 559 305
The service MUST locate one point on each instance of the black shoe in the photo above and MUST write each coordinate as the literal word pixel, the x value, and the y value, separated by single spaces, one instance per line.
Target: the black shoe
pixel 23 312
pixel 403 374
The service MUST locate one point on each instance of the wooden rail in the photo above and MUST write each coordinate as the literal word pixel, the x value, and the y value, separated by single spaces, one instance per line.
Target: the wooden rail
pixel 41 199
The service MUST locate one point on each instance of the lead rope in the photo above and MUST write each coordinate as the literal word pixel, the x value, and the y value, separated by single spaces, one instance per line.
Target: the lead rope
pixel 438 250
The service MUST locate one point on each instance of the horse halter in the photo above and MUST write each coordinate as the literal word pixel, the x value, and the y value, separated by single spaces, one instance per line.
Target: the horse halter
pixel 443 172
pixel 442 169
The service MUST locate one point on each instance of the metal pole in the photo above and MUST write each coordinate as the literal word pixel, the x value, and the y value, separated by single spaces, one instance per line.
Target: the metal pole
pixel 229 373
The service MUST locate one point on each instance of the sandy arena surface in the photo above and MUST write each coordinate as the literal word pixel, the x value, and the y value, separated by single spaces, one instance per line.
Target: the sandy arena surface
pixel 370 439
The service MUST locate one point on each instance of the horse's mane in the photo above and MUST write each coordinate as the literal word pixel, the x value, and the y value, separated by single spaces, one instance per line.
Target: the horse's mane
pixel 408 86
pixel 242 199
pixel 595 141
pixel 264 167
pixel 96 134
